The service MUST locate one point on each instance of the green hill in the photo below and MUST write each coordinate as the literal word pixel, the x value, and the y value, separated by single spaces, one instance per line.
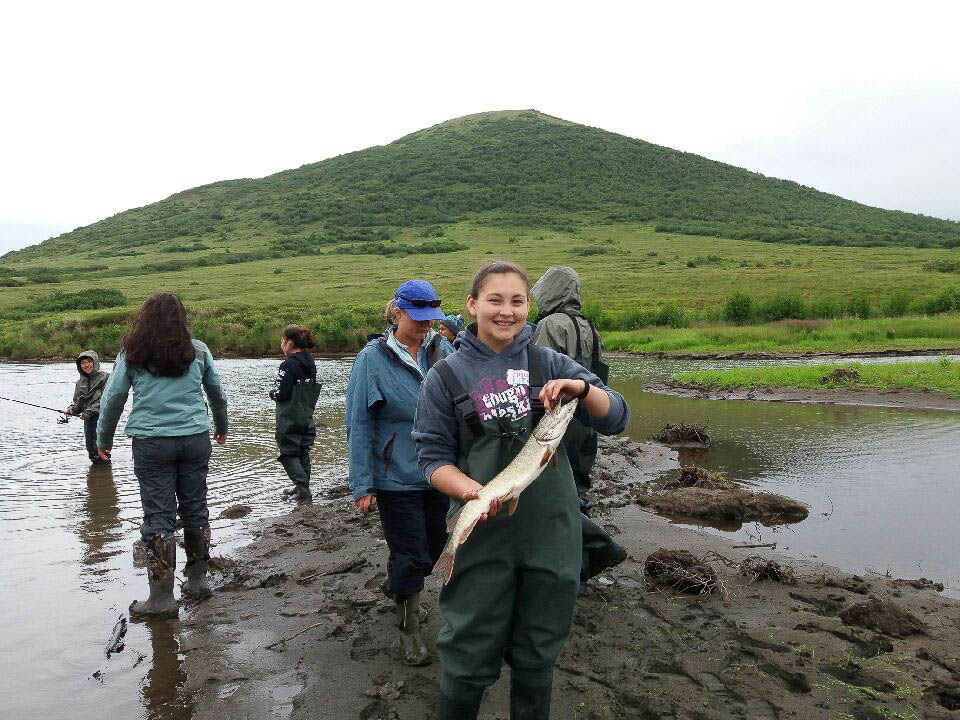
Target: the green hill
pixel 647 226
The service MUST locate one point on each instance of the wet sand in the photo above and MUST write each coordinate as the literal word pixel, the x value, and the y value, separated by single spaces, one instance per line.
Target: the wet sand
pixel 908 399
pixel 756 650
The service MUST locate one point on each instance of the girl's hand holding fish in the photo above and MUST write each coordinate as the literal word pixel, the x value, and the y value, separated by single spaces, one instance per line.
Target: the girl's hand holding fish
pixel 495 504
pixel 597 404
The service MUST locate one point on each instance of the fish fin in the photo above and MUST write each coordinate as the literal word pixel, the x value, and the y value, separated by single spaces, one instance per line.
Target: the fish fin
pixel 444 567
pixel 467 532
pixel 452 520
pixel 546 457
pixel 513 506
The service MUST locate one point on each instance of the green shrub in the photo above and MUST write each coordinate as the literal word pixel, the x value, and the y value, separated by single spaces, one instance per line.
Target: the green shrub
pixel 739 308
pixel 784 306
pixel 591 250
pixel 826 308
pixel 91 299
pixel 944 266
pixel 859 306
pixel 897 304
pixel 670 315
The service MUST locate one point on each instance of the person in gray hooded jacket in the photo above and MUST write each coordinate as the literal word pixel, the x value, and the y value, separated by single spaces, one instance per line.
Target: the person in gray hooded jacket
pixel 562 327
pixel 86 399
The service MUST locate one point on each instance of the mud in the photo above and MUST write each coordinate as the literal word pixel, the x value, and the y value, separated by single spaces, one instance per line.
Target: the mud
pixel 908 399
pixel 756 650
pixel 729 506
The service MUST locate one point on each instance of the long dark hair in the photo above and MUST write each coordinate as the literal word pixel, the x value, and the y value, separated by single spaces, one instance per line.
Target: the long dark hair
pixel 159 341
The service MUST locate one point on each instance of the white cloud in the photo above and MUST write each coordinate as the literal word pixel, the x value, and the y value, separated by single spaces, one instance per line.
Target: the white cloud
pixel 114 105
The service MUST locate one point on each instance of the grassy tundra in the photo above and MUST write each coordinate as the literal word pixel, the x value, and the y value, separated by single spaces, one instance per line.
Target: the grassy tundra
pixel 676 252
pixel 940 376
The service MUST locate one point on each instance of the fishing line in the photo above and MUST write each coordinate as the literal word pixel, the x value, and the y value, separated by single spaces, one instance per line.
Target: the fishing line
pixel 42 407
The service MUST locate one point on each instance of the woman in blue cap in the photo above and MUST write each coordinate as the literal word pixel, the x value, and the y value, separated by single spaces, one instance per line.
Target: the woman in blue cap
pixel 381 402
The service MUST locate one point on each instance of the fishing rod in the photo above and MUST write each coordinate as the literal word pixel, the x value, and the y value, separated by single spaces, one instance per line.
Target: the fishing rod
pixel 42 407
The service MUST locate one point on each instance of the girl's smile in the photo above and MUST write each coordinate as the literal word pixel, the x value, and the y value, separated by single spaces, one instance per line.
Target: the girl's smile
pixel 501 309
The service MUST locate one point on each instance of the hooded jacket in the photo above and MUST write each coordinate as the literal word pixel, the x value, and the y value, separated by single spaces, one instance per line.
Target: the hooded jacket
pixel 381 402
pixel 499 386
pixel 295 368
pixel 86 395
pixel 557 294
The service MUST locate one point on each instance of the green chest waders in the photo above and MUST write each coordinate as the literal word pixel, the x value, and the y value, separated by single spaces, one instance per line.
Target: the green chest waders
pixel 514 585
pixel 296 432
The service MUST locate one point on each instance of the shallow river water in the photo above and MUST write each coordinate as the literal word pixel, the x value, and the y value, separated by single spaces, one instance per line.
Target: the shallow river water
pixel 880 484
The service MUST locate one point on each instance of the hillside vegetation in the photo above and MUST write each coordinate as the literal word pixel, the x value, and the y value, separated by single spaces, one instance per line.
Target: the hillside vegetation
pixel 662 238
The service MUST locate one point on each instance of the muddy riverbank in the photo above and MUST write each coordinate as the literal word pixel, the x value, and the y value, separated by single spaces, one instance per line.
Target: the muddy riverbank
pixel 907 399
pixel 758 649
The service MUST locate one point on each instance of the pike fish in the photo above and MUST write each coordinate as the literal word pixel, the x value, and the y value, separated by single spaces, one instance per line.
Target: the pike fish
pixel 509 482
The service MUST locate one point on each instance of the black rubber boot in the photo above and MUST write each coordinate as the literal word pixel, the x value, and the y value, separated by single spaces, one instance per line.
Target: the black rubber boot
pixel 298 476
pixel 197 543
pixel 600 551
pixel 464 707
pixel 529 703
pixel 161 564
pixel 415 652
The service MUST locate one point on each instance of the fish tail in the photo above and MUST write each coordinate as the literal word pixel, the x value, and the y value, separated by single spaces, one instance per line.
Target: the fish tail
pixel 444 566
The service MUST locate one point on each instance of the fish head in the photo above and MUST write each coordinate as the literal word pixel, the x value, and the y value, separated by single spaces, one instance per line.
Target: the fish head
pixel 550 429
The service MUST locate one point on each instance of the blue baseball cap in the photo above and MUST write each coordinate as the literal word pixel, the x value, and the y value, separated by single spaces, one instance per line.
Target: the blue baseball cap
pixel 419 300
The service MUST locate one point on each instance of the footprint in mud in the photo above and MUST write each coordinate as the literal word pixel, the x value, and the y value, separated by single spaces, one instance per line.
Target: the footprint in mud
pixel 760 709
pixel 363 648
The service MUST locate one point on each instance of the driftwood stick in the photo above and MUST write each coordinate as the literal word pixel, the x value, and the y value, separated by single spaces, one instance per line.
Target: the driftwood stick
pixel 337 569
pixel 281 641
pixel 756 545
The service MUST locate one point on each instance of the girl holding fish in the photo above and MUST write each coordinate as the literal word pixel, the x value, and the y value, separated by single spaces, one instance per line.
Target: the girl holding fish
pixel 513 587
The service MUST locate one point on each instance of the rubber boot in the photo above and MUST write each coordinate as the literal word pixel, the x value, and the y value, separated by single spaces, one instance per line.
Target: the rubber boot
pixel 197 543
pixel 600 551
pixel 529 703
pixel 464 707
pixel 161 564
pixel 298 476
pixel 415 651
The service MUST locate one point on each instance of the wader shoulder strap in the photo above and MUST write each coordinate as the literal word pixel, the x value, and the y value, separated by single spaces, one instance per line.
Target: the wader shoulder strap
pixel 461 398
pixel 535 369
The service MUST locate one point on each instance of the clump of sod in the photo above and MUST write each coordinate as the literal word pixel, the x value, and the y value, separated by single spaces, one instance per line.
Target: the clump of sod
pixel 683 434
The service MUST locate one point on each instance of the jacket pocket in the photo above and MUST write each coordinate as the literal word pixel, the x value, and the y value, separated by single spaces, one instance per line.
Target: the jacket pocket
pixel 388 452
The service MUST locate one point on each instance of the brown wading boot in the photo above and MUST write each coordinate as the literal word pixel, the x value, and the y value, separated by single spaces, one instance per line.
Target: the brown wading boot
pixel 161 564
pixel 197 543
pixel 415 651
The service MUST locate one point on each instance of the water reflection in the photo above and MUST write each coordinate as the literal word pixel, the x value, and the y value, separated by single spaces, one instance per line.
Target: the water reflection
pixel 99 524
pixel 161 690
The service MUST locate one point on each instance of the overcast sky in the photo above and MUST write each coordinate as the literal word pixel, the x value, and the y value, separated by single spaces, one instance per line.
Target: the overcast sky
pixel 113 105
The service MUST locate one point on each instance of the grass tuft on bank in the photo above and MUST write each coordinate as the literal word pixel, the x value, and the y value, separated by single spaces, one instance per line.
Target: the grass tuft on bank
pixel 939 332
pixel 941 375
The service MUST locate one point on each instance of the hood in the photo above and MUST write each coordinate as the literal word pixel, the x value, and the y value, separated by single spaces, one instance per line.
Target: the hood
pixel 558 289
pixel 306 361
pixel 93 356
pixel 468 343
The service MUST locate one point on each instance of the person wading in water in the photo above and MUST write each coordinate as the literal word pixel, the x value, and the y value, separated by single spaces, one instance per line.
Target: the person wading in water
pixel 296 392
pixel 169 374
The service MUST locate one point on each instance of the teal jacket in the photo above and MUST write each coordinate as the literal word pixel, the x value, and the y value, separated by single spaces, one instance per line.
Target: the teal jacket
pixel 163 406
